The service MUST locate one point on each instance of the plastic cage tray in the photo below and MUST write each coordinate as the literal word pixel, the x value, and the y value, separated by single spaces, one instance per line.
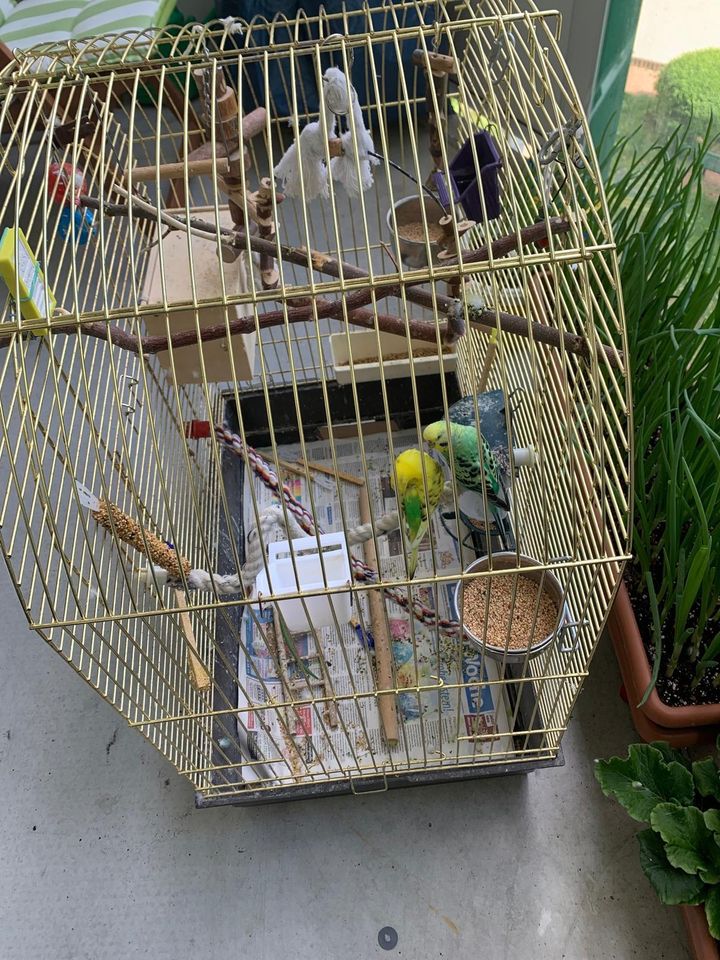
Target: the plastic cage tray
pixel 520 697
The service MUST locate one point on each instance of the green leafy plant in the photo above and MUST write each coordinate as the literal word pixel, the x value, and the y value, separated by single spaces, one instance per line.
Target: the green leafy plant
pixel 680 803
pixel 670 271
pixel 689 90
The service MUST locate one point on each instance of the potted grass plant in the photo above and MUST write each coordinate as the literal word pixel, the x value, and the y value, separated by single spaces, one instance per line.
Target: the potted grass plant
pixel 665 623
pixel 680 847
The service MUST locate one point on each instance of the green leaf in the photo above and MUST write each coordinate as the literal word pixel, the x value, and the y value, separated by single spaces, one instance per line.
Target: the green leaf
pixel 644 780
pixel 707 778
pixel 669 753
pixel 712 821
pixel 693 583
pixel 657 637
pixel 712 912
pixel 689 844
pixel 672 886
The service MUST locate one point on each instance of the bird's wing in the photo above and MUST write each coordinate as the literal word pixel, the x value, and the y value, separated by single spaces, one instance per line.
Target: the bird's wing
pixel 436 485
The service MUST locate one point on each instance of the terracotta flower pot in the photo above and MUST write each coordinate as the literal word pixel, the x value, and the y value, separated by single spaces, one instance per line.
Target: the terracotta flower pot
pixel 702 945
pixel 654 720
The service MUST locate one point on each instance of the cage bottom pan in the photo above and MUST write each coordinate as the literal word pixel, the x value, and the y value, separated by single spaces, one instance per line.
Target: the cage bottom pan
pixel 227 784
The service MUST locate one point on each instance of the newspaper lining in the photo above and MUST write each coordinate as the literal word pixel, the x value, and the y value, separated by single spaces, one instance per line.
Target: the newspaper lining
pixel 322 740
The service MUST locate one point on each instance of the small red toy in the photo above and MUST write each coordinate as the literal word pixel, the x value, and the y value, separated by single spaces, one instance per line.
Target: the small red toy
pixel 66 183
pixel 197 429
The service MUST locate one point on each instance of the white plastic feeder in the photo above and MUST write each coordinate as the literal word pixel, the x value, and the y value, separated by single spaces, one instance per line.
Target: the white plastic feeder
pixel 336 566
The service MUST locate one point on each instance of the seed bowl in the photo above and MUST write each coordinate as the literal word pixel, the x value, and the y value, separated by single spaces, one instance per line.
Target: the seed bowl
pixel 551 587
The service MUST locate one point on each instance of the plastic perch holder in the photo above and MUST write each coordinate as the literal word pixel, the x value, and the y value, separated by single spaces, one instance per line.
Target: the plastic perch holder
pixel 311 612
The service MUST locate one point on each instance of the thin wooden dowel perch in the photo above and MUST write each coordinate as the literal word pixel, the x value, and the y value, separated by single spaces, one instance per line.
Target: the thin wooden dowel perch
pixel 199 677
pixel 170 171
pixel 300 469
pixel 383 650
pixel 328 471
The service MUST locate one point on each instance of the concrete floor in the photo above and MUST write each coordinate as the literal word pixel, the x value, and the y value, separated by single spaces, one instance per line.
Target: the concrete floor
pixel 104 855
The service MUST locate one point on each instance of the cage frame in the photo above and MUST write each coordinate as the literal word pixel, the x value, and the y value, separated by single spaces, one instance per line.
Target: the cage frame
pixel 117 64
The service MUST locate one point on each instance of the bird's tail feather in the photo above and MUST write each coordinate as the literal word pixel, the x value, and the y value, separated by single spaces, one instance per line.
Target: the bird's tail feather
pixel 412 560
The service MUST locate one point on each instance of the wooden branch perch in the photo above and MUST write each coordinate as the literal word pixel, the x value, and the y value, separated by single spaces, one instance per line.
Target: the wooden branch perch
pixel 352 307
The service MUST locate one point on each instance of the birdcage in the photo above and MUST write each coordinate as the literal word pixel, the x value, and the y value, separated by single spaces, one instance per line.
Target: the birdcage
pixel 314 412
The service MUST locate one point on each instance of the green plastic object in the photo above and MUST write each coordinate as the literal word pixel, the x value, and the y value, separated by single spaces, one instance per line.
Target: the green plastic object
pixel 618 38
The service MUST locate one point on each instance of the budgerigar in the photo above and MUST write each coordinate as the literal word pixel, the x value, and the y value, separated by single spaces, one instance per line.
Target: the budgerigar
pixel 415 509
pixel 475 468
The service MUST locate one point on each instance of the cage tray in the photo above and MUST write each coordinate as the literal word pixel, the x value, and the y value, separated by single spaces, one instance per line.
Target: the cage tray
pixel 472 713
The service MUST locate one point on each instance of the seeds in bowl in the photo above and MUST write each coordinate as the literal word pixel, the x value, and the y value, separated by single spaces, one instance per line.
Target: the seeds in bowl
pixel 513 601
pixel 415 231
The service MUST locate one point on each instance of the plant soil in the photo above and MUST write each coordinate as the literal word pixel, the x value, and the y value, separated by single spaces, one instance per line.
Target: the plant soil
pixel 675 691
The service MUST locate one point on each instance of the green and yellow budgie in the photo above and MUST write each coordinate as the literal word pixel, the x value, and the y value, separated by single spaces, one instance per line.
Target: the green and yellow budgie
pixel 474 468
pixel 415 509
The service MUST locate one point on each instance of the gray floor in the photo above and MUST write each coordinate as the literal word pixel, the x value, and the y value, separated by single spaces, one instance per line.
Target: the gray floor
pixel 105 856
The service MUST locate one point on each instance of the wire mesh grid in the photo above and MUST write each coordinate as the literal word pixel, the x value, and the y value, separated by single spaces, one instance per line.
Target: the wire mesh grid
pixel 198 297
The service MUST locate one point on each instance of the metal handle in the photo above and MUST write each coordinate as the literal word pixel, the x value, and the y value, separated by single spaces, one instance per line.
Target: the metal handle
pixel 563 646
pixel 362 793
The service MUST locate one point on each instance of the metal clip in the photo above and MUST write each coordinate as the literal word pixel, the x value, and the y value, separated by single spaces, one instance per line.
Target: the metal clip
pixel 499 54
pixel 536 74
pixel 339 38
pixel 567 135
pixel 132 383
pixel 515 406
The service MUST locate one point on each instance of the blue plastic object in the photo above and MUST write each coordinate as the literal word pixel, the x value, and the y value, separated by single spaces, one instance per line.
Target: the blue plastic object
pixel 84 224
pixel 464 178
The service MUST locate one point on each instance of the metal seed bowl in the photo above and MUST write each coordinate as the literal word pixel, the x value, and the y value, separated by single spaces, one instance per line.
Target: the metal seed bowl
pixel 413 253
pixel 550 584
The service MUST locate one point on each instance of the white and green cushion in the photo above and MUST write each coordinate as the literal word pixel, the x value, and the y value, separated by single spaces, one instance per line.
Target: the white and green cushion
pixel 34 22
pixel 6 8
pixel 100 17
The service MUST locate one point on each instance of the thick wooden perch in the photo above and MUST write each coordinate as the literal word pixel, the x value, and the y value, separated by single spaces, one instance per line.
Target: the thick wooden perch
pixel 251 125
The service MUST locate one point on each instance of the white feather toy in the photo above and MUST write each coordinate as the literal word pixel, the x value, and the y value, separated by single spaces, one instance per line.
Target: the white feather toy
pixel 341 98
pixel 308 151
